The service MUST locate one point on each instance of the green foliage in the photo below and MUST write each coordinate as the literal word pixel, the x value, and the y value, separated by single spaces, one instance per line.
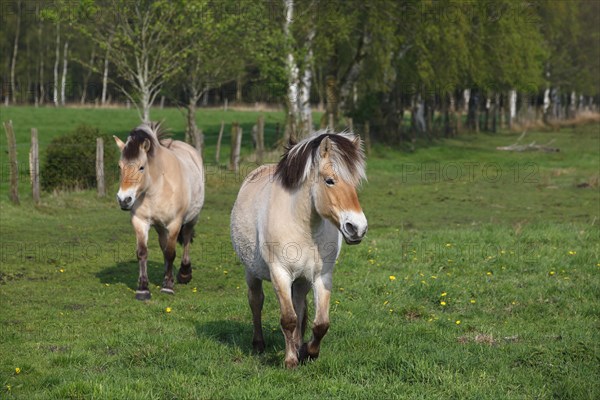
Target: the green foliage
pixel 70 161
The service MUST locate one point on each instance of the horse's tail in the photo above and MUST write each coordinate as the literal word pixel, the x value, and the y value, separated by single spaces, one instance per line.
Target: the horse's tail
pixel 180 236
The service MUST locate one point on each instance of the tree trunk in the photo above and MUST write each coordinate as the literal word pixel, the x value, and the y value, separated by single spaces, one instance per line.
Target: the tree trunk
pixel 293 82
pixel 105 74
pixel 40 86
pixel 56 61
pixel 63 84
pixel 332 100
pixel 13 64
pixel 238 89
pixel 512 103
pixel 145 103
pixel 87 77
pixel 13 163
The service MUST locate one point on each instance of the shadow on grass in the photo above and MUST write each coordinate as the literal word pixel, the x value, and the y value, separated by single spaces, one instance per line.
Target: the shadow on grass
pixel 238 335
pixel 128 273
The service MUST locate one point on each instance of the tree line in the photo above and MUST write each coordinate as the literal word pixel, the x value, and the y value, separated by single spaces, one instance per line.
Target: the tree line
pixel 408 68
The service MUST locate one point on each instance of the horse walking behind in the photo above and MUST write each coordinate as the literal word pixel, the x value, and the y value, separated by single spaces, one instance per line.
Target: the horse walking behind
pixel 162 184
pixel 287 226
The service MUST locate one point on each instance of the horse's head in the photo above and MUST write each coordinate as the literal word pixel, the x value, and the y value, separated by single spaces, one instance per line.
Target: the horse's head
pixel 340 169
pixel 333 164
pixel 135 153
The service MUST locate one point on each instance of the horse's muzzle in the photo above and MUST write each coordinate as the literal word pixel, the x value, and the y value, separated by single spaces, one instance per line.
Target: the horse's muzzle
pixel 354 228
pixel 125 203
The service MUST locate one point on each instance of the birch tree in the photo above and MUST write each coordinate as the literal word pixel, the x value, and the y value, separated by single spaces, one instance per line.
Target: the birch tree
pixel 141 39
pixel 299 67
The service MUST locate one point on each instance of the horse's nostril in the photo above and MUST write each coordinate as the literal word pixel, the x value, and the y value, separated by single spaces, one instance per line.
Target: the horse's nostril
pixel 127 200
pixel 351 229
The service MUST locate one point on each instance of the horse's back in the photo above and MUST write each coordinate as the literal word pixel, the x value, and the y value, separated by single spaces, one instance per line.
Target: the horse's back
pixel 249 209
pixel 192 176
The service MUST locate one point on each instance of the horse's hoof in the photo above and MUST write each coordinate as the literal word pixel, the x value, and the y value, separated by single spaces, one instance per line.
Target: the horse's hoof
pixel 258 346
pixel 142 295
pixel 184 278
pixel 304 355
pixel 291 364
pixel 167 290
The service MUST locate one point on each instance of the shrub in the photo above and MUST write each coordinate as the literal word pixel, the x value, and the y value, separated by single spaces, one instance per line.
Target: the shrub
pixel 70 161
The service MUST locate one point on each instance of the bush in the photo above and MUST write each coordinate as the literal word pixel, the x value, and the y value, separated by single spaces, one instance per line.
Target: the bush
pixel 70 161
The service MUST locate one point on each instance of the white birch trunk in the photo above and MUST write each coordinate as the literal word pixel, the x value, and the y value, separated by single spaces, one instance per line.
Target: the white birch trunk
pixel 546 100
pixel 105 77
pixel 512 101
pixel 13 64
pixel 292 68
pixel 466 97
pixel 63 83
pixel 56 60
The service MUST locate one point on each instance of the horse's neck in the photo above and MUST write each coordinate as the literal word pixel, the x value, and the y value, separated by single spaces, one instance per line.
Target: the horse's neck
pixel 304 210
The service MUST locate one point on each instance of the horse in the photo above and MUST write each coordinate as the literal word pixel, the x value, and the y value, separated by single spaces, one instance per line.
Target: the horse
pixel 287 226
pixel 162 185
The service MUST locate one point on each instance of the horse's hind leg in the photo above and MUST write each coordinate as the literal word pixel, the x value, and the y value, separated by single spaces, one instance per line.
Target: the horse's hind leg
pixel 185 236
pixel 168 240
pixel 256 298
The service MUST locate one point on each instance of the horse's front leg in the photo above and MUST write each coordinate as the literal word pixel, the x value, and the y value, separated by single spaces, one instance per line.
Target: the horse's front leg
pixel 168 240
pixel 282 284
pixel 322 289
pixel 141 232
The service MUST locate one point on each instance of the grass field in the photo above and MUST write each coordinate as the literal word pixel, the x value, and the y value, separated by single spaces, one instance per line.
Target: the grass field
pixel 479 279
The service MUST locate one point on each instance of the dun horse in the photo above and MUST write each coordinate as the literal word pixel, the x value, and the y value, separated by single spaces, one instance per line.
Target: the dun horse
pixel 162 183
pixel 287 226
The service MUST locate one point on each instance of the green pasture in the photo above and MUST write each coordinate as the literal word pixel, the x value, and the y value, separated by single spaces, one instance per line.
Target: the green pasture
pixel 479 279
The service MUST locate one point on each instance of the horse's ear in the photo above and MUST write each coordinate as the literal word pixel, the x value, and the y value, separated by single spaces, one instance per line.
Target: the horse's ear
pixel 357 141
pixel 146 145
pixel 325 147
pixel 119 143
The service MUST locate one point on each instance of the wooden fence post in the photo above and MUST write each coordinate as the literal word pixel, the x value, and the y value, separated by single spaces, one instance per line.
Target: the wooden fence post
pixel 14 166
pixel 236 141
pixel 34 166
pixel 260 139
pixel 100 167
pixel 218 152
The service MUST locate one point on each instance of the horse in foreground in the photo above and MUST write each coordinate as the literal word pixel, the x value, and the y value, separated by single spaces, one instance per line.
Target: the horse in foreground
pixel 162 184
pixel 287 226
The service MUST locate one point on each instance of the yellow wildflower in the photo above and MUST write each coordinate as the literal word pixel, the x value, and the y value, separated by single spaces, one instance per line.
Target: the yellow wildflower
pixel 168 309
pixel 17 370
pixel 444 294
pixel 392 278
pixel 458 322
pixel 443 303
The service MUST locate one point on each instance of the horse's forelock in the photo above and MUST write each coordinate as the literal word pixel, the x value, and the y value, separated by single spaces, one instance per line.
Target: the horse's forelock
pixel 298 160
pixel 153 131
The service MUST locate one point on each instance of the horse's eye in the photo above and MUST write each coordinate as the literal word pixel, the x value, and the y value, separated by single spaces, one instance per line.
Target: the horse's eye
pixel 142 168
pixel 329 181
